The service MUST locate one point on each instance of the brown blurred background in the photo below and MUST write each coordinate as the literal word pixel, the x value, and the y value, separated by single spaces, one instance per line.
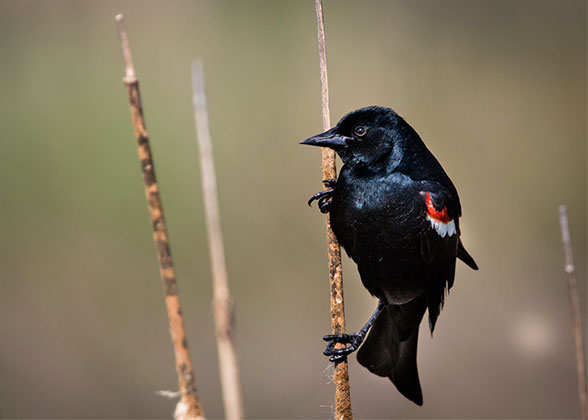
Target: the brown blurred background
pixel 497 89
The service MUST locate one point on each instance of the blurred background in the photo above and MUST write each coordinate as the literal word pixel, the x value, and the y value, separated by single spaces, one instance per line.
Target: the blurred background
pixel 497 90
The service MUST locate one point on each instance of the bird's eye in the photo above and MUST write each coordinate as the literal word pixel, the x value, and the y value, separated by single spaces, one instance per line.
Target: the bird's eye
pixel 359 131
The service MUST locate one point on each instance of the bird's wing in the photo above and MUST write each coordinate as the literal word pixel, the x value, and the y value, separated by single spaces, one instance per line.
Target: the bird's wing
pixel 439 244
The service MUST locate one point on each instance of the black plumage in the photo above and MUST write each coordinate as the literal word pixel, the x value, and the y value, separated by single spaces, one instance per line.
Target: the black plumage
pixel 396 213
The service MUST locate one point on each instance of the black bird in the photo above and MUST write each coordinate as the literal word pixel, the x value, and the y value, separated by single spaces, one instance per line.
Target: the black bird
pixel 396 213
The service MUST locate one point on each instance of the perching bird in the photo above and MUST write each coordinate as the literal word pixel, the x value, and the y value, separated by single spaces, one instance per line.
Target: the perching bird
pixel 396 213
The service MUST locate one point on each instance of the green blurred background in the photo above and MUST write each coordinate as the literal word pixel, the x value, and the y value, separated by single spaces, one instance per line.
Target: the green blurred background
pixel 497 89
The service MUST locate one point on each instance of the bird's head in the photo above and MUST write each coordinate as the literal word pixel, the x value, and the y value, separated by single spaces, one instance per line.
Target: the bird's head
pixel 364 136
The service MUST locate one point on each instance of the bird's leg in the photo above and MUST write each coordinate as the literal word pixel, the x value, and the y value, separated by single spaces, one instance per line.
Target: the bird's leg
pixel 354 340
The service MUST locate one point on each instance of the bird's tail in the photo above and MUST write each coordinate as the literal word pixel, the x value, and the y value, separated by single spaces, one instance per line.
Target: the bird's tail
pixel 390 349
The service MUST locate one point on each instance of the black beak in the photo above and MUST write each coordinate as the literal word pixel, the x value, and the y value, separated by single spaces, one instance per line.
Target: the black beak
pixel 329 139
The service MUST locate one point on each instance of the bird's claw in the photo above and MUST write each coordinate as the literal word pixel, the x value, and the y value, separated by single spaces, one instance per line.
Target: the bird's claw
pixel 322 197
pixel 353 341
pixel 324 205
pixel 319 195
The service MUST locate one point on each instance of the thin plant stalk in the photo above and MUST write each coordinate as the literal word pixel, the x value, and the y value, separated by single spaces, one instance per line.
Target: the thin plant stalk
pixel 341 374
pixel 222 303
pixel 574 302
pixel 189 406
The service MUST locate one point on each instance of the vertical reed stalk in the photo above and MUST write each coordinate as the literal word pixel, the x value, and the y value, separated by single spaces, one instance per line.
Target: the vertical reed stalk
pixel 189 406
pixel 223 305
pixel 341 376
pixel 576 315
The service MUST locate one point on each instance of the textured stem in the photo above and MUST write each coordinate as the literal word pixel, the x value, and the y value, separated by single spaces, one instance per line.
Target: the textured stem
pixel 223 305
pixel 341 376
pixel 576 316
pixel 189 406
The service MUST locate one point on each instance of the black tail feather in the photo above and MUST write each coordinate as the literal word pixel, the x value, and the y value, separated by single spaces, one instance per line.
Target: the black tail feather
pixel 390 349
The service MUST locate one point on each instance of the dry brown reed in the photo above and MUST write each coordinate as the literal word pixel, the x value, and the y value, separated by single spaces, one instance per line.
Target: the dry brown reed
pixel 189 406
pixel 341 374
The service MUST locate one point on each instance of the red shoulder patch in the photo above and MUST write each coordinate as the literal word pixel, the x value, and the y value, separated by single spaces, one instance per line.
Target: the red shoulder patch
pixel 440 216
